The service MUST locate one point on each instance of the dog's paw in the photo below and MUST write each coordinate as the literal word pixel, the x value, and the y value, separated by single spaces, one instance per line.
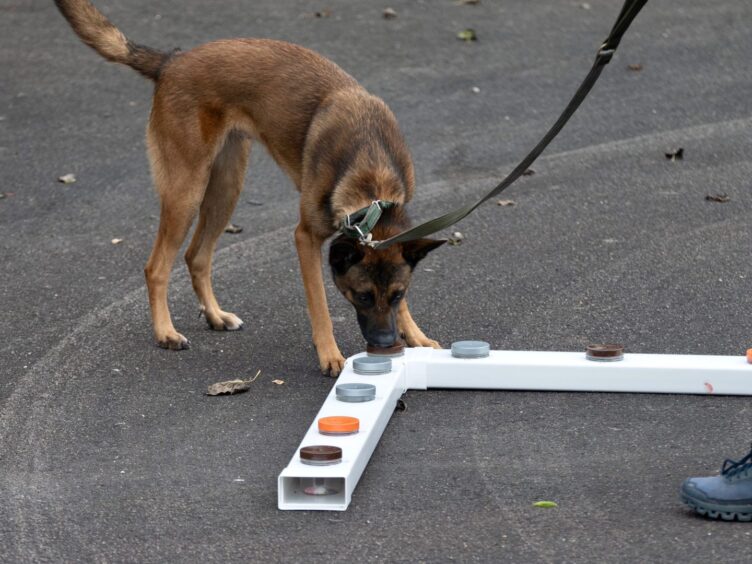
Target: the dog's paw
pixel 331 362
pixel 224 321
pixel 421 341
pixel 173 341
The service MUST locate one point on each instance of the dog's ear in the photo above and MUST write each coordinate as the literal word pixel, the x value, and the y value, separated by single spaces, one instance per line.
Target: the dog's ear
pixel 415 251
pixel 344 252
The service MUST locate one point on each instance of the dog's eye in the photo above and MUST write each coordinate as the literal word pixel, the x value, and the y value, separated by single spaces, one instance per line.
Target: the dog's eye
pixel 364 298
pixel 396 297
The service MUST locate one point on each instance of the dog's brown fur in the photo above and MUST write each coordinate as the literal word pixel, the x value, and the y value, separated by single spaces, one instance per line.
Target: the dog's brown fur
pixel 340 145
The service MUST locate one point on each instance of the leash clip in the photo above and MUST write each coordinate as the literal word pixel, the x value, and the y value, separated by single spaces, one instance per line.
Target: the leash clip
pixel 604 55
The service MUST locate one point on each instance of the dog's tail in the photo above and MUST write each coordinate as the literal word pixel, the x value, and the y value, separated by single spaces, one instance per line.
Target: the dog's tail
pixel 97 32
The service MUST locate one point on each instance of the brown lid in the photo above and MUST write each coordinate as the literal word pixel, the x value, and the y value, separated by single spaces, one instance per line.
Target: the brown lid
pixel 397 348
pixel 321 453
pixel 605 351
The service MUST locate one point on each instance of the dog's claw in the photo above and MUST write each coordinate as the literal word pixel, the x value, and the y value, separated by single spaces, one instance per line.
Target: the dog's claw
pixel 177 343
pixel 224 321
pixel 332 364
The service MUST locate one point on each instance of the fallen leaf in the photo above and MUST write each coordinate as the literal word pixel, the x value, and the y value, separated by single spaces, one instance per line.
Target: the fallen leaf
pixel 506 203
pixel 231 386
pixel 635 67
pixel 467 35
pixel 255 203
pixel 389 14
pixel 528 172
pixel 721 198
pixel 116 241
pixel 675 155
pixel 232 228
pixel 456 238
pixel 278 382
pixel 401 405
pixel 545 504
pixel 323 14
pixel 67 179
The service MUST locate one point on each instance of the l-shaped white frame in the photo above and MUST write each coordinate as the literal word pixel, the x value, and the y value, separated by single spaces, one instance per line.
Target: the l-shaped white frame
pixel 424 368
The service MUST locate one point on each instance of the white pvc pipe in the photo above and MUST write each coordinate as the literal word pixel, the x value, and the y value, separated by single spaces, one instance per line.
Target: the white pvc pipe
pixel 571 371
pixel 356 449
pixel 421 369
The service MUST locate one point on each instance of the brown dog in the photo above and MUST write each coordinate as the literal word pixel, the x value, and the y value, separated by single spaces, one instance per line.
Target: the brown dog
pixel 340 145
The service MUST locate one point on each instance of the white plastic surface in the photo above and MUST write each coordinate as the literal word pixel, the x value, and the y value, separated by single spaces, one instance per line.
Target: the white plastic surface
pixel 421 369
pixel 571 371
pixel 356 449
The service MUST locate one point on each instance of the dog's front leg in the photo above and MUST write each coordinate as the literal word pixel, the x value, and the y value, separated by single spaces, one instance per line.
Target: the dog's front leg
pixel 414 337
pixel 331 360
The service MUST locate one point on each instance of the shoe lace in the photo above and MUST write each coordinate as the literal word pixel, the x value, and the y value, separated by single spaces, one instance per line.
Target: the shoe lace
pixel 732 467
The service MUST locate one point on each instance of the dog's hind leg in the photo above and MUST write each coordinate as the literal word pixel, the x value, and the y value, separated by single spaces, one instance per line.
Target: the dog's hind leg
pixel 181 181
pixel 225 185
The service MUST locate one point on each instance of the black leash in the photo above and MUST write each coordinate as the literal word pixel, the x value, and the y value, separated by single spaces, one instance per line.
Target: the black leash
pixel 628 13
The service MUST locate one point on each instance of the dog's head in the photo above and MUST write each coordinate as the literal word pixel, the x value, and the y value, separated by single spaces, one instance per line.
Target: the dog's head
pixel 376 281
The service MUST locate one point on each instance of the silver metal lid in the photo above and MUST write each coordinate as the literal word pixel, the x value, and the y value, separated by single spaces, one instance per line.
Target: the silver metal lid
pixel 372 365
pixel 471 349
pixel 355 392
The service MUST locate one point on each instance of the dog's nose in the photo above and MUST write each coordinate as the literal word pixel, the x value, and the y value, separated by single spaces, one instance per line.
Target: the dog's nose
pixel 382 339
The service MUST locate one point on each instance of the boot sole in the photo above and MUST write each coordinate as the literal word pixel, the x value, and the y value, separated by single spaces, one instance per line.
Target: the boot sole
pixel 713 511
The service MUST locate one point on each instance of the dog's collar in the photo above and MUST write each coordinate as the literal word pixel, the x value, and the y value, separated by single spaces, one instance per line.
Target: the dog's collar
pixel 359 224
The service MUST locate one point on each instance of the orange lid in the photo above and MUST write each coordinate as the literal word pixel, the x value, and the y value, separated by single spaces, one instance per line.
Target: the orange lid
pixel 339 424
pixel 749 356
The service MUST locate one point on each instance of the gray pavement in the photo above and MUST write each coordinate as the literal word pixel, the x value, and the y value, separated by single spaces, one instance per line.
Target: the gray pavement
pixel 110 451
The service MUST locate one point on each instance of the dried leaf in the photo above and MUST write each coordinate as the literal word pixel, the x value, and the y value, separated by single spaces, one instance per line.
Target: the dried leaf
pixel 116 241
pixel 545 504
pixel 323 13
pixel 506 203
pixel 720 198
pixel 278 382
pixel 675 155
pixel 467 35
pixel 389 14
pixel 67 179
pixel 635 67
pixel 456 238
pixel 232 228
pixel 528 172
pixel 231 386
pixel 401 405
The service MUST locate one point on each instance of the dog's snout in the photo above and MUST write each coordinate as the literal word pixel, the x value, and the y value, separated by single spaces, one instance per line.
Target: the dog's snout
pixel 382 339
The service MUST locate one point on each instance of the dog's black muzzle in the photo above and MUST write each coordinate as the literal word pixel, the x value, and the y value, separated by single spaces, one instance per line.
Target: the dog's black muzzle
pixel 379 332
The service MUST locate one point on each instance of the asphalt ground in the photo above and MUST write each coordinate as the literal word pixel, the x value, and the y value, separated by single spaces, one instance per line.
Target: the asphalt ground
pixel 111 452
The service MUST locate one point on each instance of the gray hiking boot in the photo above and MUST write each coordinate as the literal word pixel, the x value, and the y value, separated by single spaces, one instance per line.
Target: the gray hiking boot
pixel 728 496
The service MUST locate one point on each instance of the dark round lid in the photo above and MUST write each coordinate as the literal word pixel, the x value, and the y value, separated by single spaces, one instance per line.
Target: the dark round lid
pixel 395 350
pixel 611 351
pixel 321 453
